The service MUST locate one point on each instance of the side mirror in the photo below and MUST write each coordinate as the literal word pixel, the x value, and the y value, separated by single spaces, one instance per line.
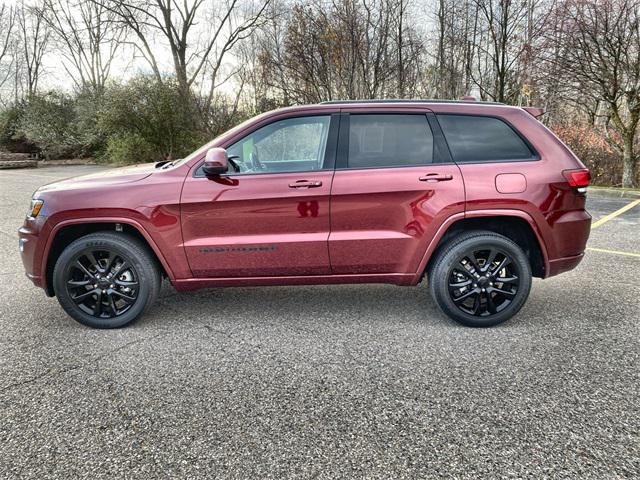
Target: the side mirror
pixel 216 162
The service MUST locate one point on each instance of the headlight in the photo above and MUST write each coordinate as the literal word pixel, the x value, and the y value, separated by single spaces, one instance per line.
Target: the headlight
pixel 36 206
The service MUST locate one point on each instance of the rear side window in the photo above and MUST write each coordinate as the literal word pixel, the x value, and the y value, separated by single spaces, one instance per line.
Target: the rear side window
pixel 389 140
pixel 482 139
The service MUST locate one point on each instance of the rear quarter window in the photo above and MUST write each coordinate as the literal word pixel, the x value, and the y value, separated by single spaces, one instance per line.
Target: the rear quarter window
pixel 474 138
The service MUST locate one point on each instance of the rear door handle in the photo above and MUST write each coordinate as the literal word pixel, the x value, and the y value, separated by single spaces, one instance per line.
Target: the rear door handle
pixel 306 184
pixel 434 177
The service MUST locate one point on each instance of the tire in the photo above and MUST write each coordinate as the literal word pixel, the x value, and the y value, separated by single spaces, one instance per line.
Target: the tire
pixel 475 286
pixel 106 280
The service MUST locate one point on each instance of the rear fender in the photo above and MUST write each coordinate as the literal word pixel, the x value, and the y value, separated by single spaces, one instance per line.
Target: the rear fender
pixel 475 214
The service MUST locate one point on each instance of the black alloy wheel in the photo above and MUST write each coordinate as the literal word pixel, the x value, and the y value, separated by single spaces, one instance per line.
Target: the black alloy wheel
pixel 106 279
pixel 480 278
pixel 484 281
pixel 102 283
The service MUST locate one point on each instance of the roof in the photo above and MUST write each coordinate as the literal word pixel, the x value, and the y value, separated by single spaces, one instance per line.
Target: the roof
pixel 401 100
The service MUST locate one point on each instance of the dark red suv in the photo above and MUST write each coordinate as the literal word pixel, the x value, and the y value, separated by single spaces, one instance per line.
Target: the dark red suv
pixel 477 197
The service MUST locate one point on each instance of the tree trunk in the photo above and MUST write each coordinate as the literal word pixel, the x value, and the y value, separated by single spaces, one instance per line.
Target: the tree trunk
pixel 629 161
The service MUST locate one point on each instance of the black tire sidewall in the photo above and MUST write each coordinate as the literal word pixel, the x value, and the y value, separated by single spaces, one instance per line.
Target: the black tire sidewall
pixel 439 279
pixel 129 250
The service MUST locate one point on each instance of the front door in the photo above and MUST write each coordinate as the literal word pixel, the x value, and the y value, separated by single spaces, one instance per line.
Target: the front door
pixel 270 216
pixel 394 186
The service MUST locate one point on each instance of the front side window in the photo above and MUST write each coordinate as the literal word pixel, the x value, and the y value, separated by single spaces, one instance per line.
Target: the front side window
pixel 290 145
pixel 389 141
pixel 482 139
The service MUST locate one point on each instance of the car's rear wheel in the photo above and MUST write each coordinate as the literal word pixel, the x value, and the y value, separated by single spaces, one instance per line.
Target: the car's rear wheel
pixel 480 279
pixel 106 280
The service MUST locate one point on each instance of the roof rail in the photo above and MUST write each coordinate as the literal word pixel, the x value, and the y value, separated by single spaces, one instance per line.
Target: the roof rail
pixel 402 100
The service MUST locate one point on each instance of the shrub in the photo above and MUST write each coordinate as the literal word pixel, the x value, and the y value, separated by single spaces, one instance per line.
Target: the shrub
pixel 589 145
pixel 153 116
pixel 48 122
pixel 125 148
pixel 55 124
pixel 10 137
pixel 91 138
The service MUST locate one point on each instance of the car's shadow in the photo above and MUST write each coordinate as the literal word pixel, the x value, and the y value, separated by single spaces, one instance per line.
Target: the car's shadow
pixel 326 304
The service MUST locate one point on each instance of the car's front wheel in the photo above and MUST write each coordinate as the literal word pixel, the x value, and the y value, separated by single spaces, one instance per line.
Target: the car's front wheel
pixel 480 279
pixel 106 280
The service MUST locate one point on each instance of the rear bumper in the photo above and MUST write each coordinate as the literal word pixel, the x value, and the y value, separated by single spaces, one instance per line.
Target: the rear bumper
pixel 570 233
pixel 561 265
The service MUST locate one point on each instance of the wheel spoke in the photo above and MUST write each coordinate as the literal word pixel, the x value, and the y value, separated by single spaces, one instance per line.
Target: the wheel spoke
pixel 84 269
pixel 78 283
pixel 92 260
pixel 123 266
pixel 83 296
pixel 490 259
pixel 476 305
pixel 491 306
pixel 505 261
pixel 112 304
pixel 506 279
pixel 474 262
pixel 506 293
pixel 124 283
pixel 464 296
pixel 460 268
pixel 110 259
pixel 126 298
pixel 97 310
pixel 460 284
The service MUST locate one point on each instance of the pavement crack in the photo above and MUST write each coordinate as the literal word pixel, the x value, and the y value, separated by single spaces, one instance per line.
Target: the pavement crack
pixel 52 372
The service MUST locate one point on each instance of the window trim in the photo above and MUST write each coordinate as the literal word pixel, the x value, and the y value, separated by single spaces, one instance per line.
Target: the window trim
pixel 535 156
pixel 342 160
pixel 330 152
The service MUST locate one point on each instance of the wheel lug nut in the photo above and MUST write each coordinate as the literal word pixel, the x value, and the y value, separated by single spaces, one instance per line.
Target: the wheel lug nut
pixel 483 290
pixel 111 286
pixel 475 285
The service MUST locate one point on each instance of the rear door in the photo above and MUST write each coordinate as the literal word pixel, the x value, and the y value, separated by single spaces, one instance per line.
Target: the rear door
pixel 394 186
pixel 270 218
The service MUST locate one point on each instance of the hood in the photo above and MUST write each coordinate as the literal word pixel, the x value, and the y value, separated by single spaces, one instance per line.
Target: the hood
pixel 116 176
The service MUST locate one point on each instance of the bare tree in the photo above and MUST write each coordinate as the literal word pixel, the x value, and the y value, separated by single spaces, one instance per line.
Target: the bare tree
pixel 504 48
pixel 348 49
pixel 7 23
pixel 457 33
pixel 34 35
pixel 88 39
pixel 191 41
pixel 602 54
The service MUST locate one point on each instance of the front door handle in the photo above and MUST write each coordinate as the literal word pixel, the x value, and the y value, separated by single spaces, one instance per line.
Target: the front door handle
pixel 434 177
pixel 306 184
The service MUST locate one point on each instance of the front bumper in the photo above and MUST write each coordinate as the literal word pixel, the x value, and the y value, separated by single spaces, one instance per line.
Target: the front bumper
pixel 31 251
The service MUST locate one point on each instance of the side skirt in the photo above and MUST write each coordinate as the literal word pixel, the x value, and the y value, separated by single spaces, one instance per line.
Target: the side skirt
pixel 197 283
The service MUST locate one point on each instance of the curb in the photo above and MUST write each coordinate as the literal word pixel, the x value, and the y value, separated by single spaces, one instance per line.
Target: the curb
pixel 613 192
pixel 10 164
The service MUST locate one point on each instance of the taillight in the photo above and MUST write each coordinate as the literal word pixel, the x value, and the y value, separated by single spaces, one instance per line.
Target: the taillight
pixel 578 179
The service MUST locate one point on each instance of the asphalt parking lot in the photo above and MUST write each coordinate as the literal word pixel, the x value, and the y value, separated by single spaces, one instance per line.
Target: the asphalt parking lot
pixel 354 381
